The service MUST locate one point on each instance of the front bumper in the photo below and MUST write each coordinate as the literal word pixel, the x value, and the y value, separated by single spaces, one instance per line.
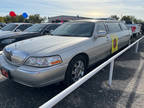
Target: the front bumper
pixel 32 76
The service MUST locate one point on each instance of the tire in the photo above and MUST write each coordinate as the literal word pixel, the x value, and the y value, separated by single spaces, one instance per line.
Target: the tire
pixel 70 76
pixel 132 39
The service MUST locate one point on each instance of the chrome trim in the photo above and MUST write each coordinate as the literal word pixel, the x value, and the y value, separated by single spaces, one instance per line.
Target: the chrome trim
pixel 15 57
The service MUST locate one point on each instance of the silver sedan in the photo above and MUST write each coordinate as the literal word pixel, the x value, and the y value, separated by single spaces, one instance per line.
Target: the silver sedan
pixel 65 54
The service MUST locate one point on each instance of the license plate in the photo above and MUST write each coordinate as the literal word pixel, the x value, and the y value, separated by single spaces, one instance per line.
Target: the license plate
pixel 5 72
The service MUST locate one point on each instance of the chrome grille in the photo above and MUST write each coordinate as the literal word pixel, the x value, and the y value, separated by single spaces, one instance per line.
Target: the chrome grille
pixel 14 56
pixel 7 54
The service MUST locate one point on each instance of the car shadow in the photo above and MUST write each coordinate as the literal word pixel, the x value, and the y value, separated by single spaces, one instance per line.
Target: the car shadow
pixel 20 96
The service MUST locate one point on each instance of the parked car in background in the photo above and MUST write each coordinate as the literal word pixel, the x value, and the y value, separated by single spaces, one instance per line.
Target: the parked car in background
pixel 135 28
pixel 16 27
pixel 33 31
pixel 42 29
pixel 64 56
pixel 2 25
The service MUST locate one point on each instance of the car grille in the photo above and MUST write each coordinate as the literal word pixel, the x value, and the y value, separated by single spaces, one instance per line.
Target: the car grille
pixel 14 57
pixel 7 54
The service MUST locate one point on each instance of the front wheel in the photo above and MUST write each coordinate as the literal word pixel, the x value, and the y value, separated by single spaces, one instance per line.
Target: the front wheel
pixel 76 70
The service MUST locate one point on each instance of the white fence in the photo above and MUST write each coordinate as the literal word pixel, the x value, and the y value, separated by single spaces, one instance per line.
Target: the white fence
pixel 52 102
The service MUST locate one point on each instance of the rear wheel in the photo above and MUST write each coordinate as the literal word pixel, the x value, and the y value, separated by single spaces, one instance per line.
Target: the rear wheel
pixel 131 40
pixel 76 70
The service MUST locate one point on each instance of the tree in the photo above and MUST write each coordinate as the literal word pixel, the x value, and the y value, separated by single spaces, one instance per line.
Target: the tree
pixel 115 17
pixel 19 18
pixel 2 19
pixel 129 19
pixel 45 19
pixel 140 21
pixel 35 19
pixel 9 19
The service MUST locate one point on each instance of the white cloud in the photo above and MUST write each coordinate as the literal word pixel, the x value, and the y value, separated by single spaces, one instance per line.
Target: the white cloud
pixel 102 8
pixel 89 8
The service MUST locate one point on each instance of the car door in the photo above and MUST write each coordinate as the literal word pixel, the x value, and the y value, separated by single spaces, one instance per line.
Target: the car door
pixel 126 34
pixel 101 43
pixel 115 32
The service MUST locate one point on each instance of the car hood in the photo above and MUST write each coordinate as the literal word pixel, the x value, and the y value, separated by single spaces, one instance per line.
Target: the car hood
pixel 6 34
pixel 3 32
pixel 45 45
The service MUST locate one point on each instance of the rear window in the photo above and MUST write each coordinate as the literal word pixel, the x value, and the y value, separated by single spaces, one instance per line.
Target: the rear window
pixel 123 26
pixel 113 27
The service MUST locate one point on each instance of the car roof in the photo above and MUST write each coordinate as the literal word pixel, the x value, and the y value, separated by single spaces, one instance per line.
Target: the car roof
pixel 50 23
pixel 96 20
pixel 19 23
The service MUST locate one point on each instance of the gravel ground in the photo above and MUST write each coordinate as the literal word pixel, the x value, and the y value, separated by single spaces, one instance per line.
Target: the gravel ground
pixel 127 89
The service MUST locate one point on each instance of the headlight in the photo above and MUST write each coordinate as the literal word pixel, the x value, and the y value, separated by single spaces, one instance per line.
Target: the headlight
pixel 43 61
pixel 7 41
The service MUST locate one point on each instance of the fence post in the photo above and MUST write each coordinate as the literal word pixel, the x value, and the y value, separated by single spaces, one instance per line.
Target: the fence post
pixel 111 73
pixel 137 45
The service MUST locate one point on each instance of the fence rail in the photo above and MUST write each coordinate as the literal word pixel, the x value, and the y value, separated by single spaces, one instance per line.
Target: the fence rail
pixel 52 102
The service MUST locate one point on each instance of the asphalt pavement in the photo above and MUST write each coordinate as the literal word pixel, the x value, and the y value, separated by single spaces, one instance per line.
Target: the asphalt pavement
pixel 127 89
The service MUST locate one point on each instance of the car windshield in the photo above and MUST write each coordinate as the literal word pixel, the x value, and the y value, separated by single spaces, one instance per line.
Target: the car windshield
pixel 76 29
pixel 9 27
pixel 36 28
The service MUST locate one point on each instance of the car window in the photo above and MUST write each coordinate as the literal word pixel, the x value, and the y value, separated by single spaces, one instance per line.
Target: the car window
pixel 113 27
pixel 23 27
pixel 49 28
pixel 27 25
pixel 101 27
pixel 76 29
pixel 123 26
pixel 52 27
pixel 36 28
pixel 9 27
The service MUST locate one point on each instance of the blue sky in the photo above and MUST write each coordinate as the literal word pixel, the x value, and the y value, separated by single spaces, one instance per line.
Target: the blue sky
pixel 88 8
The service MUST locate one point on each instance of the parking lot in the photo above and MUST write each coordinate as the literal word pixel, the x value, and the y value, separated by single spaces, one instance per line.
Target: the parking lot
pixel 126 90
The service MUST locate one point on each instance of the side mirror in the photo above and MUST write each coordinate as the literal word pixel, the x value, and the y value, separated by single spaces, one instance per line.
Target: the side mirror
pixel 101 34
